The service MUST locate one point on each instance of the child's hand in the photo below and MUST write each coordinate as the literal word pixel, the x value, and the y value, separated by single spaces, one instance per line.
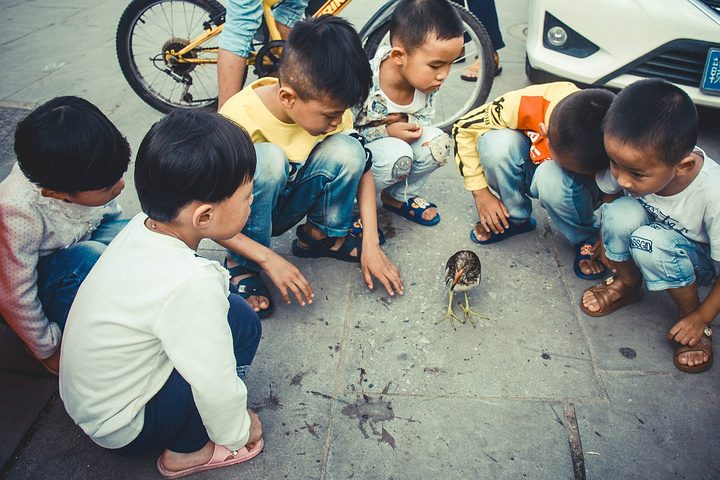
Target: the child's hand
pixel 286 276
pixel 53 361
pixel 374 263
pixel 255 430
pixel 492 212
pixel 409 132
pixel 688 330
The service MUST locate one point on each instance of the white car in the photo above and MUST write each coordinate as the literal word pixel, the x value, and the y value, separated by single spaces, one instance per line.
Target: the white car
pixel 613 43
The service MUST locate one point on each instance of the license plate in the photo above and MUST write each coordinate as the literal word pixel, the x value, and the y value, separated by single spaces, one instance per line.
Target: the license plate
pixel 710 83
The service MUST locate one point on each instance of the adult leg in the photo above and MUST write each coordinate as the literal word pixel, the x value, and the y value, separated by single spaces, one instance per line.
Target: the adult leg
pixel 242 19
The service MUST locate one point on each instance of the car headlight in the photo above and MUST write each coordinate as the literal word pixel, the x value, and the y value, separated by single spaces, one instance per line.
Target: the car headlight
pixel 561 38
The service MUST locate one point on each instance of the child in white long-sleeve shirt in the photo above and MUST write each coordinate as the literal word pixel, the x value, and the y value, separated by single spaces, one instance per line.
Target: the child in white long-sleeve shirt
pixel 57 213
pixel 157 343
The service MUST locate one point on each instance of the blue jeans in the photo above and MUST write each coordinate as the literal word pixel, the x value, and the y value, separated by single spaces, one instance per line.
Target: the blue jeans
pixel 243 18
pixel 323 188
pixel 61 273
pixel 666 258
pixel 171 419
pixel 403 168
pixel 568 197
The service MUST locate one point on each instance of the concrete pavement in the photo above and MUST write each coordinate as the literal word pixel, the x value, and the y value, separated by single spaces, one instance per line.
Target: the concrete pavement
pixel 364 385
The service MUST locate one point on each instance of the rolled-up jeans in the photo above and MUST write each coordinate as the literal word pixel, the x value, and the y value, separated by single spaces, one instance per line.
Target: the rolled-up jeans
pixel 568 197
pixel 324 189
pixel 666 258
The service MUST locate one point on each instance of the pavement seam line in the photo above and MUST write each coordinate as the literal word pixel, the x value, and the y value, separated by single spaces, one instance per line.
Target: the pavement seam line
pixel 338 378
pixel 574 442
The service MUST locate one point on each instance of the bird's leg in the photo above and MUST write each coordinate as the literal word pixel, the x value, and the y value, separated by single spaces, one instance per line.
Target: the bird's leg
pixel 450 314
pixel 468 313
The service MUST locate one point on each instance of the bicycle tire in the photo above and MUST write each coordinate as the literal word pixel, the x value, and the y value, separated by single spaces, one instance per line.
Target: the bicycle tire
pixel 146 27
pixel 449 106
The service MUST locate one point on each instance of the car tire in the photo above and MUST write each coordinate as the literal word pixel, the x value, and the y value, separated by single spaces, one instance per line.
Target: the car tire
pixel 538 76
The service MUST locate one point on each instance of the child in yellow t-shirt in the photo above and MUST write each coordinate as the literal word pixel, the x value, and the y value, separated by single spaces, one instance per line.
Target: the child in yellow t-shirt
pixel 306 166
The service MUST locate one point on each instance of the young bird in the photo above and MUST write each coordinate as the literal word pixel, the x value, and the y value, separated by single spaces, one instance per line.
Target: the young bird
pixel 462 273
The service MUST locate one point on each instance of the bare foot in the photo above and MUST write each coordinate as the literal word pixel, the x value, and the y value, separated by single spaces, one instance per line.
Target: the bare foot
pixel 693 358
pixel 590 302
pixel 481 234
pixel 257 302
pixel 427 215
pixel 175 461
pixel 591 267
pixel 318 234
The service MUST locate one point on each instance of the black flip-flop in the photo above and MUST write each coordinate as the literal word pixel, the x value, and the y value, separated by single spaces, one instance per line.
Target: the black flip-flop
pixel 252 286
pixel 322 248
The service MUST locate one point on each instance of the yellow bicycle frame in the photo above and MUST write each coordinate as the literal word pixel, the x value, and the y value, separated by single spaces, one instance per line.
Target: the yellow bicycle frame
pixel 331 7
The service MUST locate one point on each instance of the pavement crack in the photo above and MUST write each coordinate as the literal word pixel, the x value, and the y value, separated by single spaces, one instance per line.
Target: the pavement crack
pixel 573 433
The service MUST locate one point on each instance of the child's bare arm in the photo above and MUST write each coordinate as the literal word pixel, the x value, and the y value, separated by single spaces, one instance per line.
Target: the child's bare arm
pixel 492 212
pixel 373 261
pixel 283 274
pixel 689 329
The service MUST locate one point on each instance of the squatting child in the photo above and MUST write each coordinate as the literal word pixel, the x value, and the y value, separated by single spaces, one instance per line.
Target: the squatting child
pixel 667 230
pixel 543 142
pixel 426 37
pixel 156 347
pixel 305 166
pixel 57 213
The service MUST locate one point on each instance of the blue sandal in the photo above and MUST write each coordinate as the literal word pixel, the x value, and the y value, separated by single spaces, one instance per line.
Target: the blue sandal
pixel 357 229
pixel 252 286
pixel 413 210
pixel 511 231
pixel 322 248
pixel 582 252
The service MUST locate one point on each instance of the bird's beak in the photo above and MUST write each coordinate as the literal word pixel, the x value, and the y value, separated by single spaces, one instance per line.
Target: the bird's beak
pixel 457 277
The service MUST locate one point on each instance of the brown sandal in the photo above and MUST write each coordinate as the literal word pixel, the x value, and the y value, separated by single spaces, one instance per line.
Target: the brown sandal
pixel 704 345
pixel 628 295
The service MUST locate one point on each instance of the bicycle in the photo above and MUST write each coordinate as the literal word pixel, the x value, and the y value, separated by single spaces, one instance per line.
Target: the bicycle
pixel 167 50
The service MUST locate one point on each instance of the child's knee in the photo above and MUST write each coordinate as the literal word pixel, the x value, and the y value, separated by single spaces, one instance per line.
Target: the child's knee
pixel 342 153
pixel 625 215
pixel 497 147
pixel 272 164
pixel 86 253
pixel 651 245
pixel 438 148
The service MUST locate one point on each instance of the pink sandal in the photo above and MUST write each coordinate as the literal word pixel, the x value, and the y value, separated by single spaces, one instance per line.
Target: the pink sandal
pixel 222 457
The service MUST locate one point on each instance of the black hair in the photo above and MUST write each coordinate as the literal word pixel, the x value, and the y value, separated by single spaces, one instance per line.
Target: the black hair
pixel 575 128
pixel 656 116
pixel 68 145
pixel 413 21
pixel 188 156
pixel 324 56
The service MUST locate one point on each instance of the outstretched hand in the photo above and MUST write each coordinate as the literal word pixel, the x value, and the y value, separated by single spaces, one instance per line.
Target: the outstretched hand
pixel 374 263
pixel 287 276
pixel 492 212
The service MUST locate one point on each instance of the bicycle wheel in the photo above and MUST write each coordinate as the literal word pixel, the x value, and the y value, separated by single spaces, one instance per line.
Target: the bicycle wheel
pixel 456 97
pixel 148 28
